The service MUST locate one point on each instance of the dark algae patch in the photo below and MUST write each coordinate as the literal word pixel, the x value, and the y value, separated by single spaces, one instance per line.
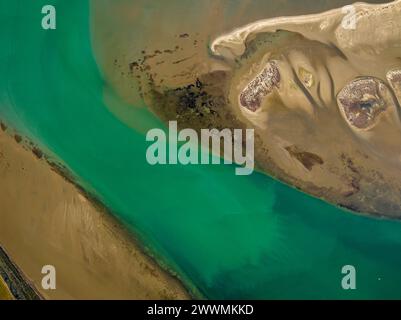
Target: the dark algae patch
pixel 308 159
pixel 37 152
pixel 17 138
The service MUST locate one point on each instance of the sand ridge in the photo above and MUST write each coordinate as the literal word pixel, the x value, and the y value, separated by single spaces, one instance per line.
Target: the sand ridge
pixel 45 220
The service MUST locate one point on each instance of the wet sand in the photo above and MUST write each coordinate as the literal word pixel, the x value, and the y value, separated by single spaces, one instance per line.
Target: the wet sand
pixel 46 220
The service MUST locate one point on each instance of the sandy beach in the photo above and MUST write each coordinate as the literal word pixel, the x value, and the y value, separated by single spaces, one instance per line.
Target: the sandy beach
pixel 46 220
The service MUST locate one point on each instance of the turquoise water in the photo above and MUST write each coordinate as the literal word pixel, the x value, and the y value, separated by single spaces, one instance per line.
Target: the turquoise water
pixel 228 236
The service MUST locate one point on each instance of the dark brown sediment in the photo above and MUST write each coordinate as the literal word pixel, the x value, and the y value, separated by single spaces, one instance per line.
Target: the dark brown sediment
pixel 262 85
pixel 362 112
pixel 17 138
pixel 307 159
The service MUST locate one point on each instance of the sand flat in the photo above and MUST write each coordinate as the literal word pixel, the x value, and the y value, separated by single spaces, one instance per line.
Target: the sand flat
pixel 45 220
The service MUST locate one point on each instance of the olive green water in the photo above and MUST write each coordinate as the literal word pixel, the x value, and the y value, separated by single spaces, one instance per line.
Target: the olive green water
pixel 226 235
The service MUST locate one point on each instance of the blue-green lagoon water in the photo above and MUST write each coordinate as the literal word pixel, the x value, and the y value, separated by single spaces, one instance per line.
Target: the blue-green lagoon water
pixel 227 236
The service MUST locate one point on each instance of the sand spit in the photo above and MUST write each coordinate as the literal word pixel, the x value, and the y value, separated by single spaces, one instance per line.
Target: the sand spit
pixel 326 27
pixel 46 220
pixel 342 151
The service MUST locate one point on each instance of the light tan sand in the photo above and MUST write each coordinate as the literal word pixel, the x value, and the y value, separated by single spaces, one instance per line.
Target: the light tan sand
pixel 325 27
pixel 174 38
pixel 44 220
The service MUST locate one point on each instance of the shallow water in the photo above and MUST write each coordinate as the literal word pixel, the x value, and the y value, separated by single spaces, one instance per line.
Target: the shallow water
pixel 229 236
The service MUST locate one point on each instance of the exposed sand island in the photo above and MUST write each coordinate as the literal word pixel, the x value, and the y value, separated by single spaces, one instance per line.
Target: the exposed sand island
pixel 323 96
pixel 46 220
